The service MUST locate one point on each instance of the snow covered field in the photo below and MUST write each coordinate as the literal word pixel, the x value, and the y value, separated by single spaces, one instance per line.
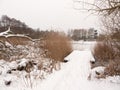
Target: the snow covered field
pixel 83 45
pixel 72 76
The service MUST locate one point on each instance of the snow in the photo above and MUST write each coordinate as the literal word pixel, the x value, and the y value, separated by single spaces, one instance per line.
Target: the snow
pixel 72 76
pixel 114 79
pixel 83 45
pixel 99 70
pixel 23 62
pixel 5 32
pixel 76 53
pixel 13 65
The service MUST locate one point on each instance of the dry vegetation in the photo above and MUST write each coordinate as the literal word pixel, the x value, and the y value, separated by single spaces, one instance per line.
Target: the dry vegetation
pixel 45 54
pixel 107 52
pixel 3 39
pixel 113 68
pixel 9 49
pixel 107 55
pixel 103 52
pixel 18 40
pixel 57 46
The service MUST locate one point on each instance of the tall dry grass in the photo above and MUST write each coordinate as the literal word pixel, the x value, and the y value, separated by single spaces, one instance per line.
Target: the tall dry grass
pixel 103 52
pixel 3 39
pixel 113 68
pixel 106 55
pixel 57 45
pixel 18 40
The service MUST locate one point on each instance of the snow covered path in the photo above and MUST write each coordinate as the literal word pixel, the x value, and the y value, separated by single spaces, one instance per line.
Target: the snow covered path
pixel 73 76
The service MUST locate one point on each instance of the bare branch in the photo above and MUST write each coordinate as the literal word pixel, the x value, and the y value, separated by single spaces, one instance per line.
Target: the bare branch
pixel 100 6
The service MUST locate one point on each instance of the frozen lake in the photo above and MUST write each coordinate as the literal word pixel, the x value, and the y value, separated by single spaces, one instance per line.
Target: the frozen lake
pixel 83 45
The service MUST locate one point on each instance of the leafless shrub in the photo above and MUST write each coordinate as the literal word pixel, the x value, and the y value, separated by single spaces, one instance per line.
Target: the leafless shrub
pixel 5 51
pixel 100 38
pixel 103 52
pixel 113 68
pixel 107 56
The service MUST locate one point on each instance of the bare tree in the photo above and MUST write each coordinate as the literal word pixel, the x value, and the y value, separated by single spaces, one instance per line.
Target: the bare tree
pixel 100 6
pixel 5 21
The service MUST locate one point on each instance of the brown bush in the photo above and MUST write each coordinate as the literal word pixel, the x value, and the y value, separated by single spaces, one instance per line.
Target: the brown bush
pixel 3 39
pixel 18 40
pixel 107 56
pixel 113 68
pixel 101 37
pixel 103 52
pixel 57 45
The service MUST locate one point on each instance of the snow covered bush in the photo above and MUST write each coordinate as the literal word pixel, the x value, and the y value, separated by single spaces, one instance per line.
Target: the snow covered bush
pixel 32 60
pixel 10 53
pixel 96 73
pixel 57 46
pixel 13 46
pixel 5 51
pixel 106 55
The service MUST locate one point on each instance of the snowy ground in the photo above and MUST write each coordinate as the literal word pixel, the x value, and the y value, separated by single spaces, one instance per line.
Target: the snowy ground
pixel 72 76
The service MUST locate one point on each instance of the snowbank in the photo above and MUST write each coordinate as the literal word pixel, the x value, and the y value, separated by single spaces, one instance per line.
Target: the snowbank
pixel 96 72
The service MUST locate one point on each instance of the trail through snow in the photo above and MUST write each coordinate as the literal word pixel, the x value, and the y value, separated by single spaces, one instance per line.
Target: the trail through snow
pixel 73 76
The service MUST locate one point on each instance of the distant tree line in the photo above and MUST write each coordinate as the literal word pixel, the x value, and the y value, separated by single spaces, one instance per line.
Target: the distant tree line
pixel 83 34
pixel 18 27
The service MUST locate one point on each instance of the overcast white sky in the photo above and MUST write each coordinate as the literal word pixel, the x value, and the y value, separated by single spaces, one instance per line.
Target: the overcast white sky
pixel 47 14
